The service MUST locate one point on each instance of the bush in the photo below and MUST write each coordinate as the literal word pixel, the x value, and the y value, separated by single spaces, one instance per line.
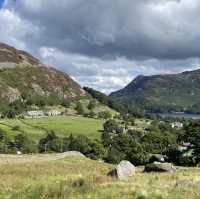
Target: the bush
pixel 97 150
pixel 16 128
pixel 24 144
pixel 104 115
pixel 80 143
pixel 91 105
pixel 47 144
pixel 124 147
pixel 80 109
pixel 157 142
pixel 111 126
pixel 66 103
pixel 114 156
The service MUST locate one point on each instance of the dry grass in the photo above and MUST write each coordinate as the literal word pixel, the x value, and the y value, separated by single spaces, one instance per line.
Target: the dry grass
pixel 78 177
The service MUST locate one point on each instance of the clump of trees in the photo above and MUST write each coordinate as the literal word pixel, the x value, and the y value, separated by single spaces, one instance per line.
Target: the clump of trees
pixel 21 142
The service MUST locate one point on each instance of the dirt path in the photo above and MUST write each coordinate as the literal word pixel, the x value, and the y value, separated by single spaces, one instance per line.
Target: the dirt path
pixel 14 159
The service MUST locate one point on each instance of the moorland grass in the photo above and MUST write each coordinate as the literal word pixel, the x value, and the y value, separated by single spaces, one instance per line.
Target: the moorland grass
pixel 60 180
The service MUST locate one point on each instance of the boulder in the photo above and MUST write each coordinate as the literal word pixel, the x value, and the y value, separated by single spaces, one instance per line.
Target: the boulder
pixel 123 170
pixel 185 183
pixel 159 167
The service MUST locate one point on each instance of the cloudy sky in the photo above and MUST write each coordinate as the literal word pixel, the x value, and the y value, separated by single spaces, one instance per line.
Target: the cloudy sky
pixel 104 44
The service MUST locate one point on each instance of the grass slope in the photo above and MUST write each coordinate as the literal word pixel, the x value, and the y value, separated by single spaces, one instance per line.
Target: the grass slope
pixel 56 179
pixel 63 126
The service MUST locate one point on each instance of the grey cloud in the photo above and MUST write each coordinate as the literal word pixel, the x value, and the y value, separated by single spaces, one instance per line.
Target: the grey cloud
pixel 105 43
pixel 136 29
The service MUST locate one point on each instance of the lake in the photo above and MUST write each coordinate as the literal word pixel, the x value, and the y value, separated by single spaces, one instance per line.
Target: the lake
pixel 181 115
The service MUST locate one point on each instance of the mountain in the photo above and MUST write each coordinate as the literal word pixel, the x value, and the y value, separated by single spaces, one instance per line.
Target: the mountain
pixel 24 79
pixel 163 93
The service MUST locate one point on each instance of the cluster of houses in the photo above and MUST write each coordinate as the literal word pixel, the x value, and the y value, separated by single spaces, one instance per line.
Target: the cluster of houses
pixel 41 113
pixel 177 125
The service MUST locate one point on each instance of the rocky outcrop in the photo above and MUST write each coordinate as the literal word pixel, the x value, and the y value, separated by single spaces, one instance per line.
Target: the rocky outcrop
pixel 159 167
pixel 123 170
pixel 12 94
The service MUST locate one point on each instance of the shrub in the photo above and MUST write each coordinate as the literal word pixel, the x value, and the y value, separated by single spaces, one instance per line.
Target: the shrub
pixel 24 144
pixel 79 108
pixel 91 105
pixel 16 128
pixel 104 115
pixel 47 143
pixel 111 126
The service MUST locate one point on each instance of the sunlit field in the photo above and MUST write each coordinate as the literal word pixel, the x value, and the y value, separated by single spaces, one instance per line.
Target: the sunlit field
pixel 79 177
pixel 63 126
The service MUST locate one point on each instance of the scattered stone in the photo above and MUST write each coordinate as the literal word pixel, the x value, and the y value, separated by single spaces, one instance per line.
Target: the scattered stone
pixel 123 170
pixel 159 167
pixel 185 183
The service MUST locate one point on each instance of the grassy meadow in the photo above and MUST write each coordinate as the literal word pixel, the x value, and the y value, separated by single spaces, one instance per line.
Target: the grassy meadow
pixel 77 177
pixel 62 125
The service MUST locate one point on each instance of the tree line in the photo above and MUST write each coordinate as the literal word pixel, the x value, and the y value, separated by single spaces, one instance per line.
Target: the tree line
pixel 118 143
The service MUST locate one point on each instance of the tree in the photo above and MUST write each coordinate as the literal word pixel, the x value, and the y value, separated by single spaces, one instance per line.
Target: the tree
pixel 114 156
pixel 91 105
pixel 47 143
pixel 24 144
pixel 124 147
pixel 97 150
pixel 2 134
pixel 111 126
pixel 79 108
pixel 191 135
pixel 105 115
pixel 137 135
pixel 11 114
pixel 66 103
pixel 80 143
pixel 133 150
pixel 157 142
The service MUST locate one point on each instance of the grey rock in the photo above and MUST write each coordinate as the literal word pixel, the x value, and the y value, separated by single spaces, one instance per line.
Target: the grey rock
pixel 123 170
pixel 159 167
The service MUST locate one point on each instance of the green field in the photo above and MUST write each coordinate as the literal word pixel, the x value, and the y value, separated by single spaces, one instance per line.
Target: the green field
pixel 63 126
pixel 81 178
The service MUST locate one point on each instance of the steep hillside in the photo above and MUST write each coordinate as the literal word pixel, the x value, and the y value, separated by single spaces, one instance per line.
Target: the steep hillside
pixel 160 93
pixel 24 78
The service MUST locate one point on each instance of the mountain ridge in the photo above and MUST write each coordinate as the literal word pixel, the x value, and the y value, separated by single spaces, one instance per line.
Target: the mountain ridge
pixel 163 93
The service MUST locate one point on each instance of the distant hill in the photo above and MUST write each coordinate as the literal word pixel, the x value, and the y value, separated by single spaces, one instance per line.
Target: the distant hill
pixel 24 79
pixel 163 93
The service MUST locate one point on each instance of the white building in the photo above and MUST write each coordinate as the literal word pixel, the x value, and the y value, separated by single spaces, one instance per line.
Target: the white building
pixel 38 113
pixel 52 113
pixel 177 125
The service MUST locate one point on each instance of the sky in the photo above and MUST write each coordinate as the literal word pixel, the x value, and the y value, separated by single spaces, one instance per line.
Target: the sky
pixel 105 44
pixel 1 3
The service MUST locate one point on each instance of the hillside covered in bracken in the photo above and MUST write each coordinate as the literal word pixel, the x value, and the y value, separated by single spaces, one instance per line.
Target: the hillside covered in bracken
pixel 24 78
